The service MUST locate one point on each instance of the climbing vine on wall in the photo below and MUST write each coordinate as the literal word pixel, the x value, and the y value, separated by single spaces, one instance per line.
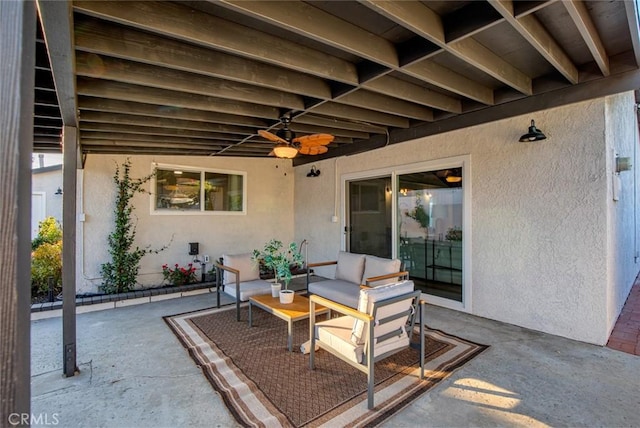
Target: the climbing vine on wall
pixel 121 273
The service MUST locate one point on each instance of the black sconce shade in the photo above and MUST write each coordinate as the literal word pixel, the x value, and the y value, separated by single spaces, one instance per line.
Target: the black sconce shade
pixel 534 134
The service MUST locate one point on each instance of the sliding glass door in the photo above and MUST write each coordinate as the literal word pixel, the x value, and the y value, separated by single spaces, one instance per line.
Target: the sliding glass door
pixel 430 223
pixel 420 214
pixel 368 228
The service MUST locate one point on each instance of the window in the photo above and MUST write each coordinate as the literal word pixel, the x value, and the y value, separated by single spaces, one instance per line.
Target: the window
pixel 187 190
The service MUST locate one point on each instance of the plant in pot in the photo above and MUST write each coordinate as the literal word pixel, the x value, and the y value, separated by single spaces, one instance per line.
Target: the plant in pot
pixel 276 256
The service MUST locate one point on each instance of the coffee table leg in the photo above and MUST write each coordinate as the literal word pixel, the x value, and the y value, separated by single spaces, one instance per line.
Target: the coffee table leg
pixel 250 324
pixel 290 338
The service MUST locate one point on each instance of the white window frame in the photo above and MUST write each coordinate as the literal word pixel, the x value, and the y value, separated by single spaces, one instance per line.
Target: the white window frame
pixel 202 171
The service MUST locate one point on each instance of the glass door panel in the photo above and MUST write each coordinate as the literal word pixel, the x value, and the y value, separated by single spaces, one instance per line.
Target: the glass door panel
pixel 430 230
pixel 368 227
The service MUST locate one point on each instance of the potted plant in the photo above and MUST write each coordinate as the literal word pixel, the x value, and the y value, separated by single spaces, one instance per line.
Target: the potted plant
pixel 276 256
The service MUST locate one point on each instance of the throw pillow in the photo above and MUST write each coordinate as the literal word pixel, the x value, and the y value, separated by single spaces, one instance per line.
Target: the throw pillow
pixel 350 267
pixel 376 266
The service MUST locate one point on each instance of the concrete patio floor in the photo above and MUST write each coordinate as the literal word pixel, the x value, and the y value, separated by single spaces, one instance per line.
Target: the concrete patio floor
pixel 135 373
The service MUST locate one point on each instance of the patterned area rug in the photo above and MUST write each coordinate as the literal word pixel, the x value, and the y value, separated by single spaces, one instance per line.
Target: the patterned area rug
pixel 264 385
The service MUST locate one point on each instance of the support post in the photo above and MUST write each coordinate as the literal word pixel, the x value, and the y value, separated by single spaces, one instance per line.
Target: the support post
pixel 70 161
pixel 17 69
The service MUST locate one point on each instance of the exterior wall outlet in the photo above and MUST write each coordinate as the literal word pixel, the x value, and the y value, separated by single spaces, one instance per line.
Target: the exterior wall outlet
pixel 206 259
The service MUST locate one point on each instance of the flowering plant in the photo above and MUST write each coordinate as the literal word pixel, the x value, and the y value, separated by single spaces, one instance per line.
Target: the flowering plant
pixel 179 275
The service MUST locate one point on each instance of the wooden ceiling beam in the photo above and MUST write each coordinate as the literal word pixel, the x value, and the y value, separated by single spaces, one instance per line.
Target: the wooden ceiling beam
pixel 57 26
pixel 332 124
pixel 148 95
pixel 357 113
pixel 151 130
pixel 534 32
pixel 440 76
pixel 411 92
pixel 421 20
pixel 102 67
pixel 631 10
pixel 211 31
pixel 383 103
pixel 158 139
pixel 161 122
pixel 580 15
pixel 166 111
pixel 304 19
pixel 107 39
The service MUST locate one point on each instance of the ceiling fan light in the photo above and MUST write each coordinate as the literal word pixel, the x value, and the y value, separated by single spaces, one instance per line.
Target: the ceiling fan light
pixel 453 179
pixel 534 134
pixel 285 151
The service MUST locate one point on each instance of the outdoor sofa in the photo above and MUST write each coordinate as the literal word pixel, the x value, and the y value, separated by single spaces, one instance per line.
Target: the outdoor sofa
pixel 353 272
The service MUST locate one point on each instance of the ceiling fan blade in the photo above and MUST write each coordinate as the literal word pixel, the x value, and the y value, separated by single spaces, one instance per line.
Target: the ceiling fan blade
pixel 313 150
pixel 314 140
pixel 271 136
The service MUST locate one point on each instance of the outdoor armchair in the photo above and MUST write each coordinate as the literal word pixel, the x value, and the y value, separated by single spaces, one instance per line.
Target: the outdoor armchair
pixel 238 275
pixel 381 327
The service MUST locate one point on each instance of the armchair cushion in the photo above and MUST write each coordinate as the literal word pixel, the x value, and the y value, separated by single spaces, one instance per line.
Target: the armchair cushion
pixel 377 266
pixel 249 289
pixel 350 267
pixel 365 304
pixel 248 268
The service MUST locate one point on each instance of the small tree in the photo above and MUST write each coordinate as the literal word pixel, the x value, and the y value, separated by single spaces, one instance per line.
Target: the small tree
pixel 121 273
pixel 49 232
pixel 46 258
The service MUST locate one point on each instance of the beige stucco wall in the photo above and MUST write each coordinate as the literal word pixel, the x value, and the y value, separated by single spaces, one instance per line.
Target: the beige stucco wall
pixel 622 240
pixel 550 249
pixel 269 215
pixel 539 216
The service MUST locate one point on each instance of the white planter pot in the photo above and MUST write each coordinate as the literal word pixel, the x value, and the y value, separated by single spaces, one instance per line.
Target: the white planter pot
pixel 286 296
pixel 275 289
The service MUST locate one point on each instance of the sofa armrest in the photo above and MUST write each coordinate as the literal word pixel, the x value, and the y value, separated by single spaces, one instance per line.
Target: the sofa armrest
pixel 402 276
pixel 318 264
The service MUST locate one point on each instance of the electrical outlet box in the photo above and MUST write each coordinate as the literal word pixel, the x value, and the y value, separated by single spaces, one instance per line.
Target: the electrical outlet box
pixel 206 259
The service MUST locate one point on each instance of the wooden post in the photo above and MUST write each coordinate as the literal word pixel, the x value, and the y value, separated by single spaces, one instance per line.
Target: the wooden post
pixel 70 159
pixel 17 74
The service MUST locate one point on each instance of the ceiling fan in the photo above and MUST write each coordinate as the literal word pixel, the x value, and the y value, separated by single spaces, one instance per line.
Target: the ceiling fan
pixel 289 145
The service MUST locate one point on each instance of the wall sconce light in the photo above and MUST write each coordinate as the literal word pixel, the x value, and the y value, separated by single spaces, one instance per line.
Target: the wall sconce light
pixel 534 134
pixel 623 164
pixel 314 172
pixel 58 192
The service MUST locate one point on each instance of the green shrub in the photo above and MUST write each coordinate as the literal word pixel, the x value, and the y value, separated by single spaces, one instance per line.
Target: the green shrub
pixel 46 261
pixel 49 231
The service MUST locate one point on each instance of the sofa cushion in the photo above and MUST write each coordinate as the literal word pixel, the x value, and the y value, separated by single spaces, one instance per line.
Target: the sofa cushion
pixel 337 290
pixel 350 267
pixel 248 268
pixel 370 295
pixel 376 266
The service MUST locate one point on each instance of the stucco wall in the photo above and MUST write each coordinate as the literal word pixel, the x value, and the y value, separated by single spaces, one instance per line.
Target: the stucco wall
pixel 622 139
pixel 539 215
pixel 269 215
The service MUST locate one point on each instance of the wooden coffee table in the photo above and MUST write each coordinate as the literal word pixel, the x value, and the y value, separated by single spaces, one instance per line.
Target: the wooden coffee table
pixel 290 312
